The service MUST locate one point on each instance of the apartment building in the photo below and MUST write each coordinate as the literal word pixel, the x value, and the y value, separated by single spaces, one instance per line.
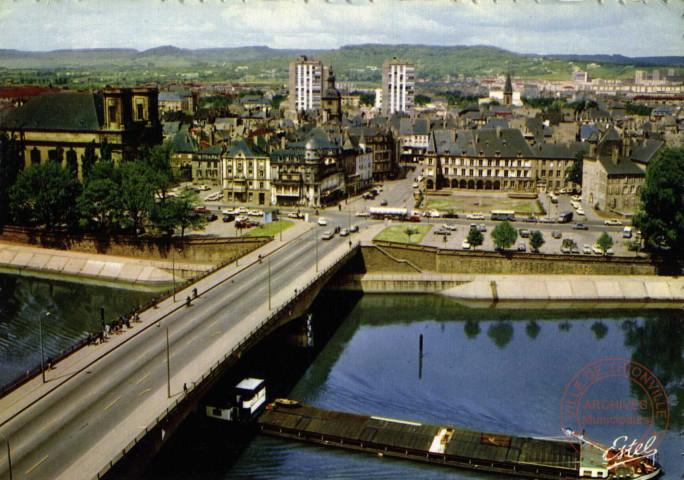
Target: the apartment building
pixel 398 79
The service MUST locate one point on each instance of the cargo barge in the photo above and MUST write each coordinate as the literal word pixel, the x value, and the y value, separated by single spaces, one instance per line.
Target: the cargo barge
pixel 450 446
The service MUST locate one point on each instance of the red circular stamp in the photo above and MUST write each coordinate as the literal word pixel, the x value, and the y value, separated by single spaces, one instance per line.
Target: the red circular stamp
pixel 618 404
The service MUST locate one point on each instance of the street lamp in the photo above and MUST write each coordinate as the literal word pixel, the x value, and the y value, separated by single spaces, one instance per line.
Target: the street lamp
pixel 168 365
pixel 40 337
pixel 173 270
pixel 316 236
pixel 268 262
pixel 9 459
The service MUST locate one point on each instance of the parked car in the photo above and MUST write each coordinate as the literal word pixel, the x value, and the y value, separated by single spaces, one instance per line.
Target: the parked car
pixel 530 219
pixel 556 234
pixel 362 214
pixel 450 215
pixel 483 227
pixel 574 249
pixel 203 188
pixel 610 252
pixel 241 210
pixel 612 221
pixel 415 185
pixel 295 215
pixel 255 213
pixel 441 232
pixel 202 211
pixel 327 235
pixel 580 211
pixel 322 221
pixel 212 217
pixel 383 203
pixel 580 226
pixel 475 216
pixel 597 250
pixel 228 218
pixel 344 232
pixel 433 214
pixel 547 220
pixel 522 247
pixel 368 196
pixel 465 245
pixel 565 249
pixel 524 233
pixel 214 197
pixel 353 228
pixel 586 249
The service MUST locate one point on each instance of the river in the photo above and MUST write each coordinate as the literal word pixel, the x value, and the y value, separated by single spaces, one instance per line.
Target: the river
pixel 495 370
pixel 74 312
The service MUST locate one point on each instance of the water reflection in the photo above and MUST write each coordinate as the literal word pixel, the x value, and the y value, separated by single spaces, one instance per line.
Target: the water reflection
pixel 74 312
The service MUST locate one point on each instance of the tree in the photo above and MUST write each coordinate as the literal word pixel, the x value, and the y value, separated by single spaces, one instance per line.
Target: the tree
pixel 10 166
pixel 409 231
pixel 504 235
pixel 177 213
pixel 660 216
pixel 475 237
pixel 88 159
pixel 156 163
pixel 45 194
pixel 604 242
pixel 421 99
pixel 574 173
pixel 105 151
pixel 367 98
pixel 136 193
pixel 536 240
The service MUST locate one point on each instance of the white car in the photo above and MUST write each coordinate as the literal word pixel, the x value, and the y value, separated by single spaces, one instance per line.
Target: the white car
pixel 322 221
pixel 433 213
pixel 586 249
pixel 214 197
pixel 255 213
pixel 613 221
pixel 415 185
pixel 241 210
pixel 465 245
pixel 597 250
pixel 580 211
pixel 327 235
pixel 449 226
pixel 204 188
pixel 344 232
pixel 362 214
pixel 475 216
pixel 229 211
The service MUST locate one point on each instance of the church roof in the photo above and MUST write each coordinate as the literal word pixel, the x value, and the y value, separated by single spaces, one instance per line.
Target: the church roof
pixel 71 111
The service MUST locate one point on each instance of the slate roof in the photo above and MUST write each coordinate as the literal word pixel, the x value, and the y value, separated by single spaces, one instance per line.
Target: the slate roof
pixel 503 142
pixel 212 150
pixel 69 111
pixel 559 151
pixel 646 152
pixel 182 142
pixel 623 167
pixel 242 147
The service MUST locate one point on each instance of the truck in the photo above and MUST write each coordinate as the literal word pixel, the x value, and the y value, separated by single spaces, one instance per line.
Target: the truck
pixel 565 217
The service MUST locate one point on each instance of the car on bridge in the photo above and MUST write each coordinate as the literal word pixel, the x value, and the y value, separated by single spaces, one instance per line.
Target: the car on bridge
pixel 327 235
pixel 344 232
pixel 354 228
pixel 322 221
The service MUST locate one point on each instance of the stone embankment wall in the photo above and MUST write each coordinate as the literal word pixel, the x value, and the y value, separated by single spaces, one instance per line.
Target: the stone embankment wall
pixel 191 249
pixel 401 258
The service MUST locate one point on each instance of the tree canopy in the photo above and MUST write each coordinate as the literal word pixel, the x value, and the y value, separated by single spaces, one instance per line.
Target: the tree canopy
pixel 475 237
pixel 604 242
pixel 660 216
pixel 536 240
pixel 575 171
pixel 504 235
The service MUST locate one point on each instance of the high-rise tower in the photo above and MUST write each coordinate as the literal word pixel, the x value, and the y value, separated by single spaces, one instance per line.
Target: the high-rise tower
pixel 398 78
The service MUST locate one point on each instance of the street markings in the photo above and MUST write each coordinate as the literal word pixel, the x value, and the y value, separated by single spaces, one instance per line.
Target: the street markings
pixel 37 464
pixel 46 427
pixel 113 402
pixel 171 356
pixel 217 332
pixel 144 392
pixel 192 340
pixel 143 378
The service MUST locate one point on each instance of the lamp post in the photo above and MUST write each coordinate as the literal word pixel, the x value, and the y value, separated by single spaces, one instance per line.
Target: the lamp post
pixel 316 235
pixel 168 365
pixel 9 459
pixel 268 262
pixel 40 337
pixel 173 270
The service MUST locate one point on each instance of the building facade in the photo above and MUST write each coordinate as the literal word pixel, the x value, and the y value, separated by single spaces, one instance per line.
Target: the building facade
pixel 307 81
pixel 59 126
pixel 398 81
pixel 246 174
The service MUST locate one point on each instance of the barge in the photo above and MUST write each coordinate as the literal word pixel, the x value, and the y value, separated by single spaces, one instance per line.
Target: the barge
pixel 455 447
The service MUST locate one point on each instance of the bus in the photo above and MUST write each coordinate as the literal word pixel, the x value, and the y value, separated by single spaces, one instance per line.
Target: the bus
pixel 503 215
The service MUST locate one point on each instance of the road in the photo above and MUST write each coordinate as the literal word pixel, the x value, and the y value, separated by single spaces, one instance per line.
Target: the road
pixel 74 431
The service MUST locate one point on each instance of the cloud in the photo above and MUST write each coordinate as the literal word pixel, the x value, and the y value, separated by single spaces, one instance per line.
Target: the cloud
pixel 550 27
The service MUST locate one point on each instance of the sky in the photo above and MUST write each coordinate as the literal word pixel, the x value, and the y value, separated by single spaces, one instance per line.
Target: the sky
pixel 626 27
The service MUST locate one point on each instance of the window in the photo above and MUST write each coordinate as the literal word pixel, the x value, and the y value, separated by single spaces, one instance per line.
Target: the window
pixel 112 113
pixel 140 111
pixel 35 156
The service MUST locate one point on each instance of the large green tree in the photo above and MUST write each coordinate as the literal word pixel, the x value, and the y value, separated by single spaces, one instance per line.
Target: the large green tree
pixel 575 171
pixel 45 194
pixel 10 166
pixel 504 235
pixel 156 161
pixel 136 193
pixel 88 159
pixel 536 240
pixel 475 237
pixel 660 216
pixel 177 212
pixel 604 242
pixel 99 205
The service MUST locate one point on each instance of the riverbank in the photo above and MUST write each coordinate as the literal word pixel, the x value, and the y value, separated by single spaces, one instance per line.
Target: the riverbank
pixel 552 291
pixel 106 270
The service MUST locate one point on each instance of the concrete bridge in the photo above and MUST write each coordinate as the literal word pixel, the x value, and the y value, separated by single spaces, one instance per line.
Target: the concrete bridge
pixel 126 396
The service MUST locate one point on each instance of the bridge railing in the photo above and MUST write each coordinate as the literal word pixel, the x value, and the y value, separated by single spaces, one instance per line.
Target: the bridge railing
pixel 234 354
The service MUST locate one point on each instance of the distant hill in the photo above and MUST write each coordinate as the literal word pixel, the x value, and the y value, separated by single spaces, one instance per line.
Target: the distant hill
pixel 359 63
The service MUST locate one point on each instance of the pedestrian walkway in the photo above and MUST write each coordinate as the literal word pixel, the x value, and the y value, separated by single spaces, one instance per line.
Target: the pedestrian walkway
pixel 30 392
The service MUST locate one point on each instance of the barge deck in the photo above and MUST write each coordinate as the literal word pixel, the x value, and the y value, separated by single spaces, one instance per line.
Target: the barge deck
pixel 435 444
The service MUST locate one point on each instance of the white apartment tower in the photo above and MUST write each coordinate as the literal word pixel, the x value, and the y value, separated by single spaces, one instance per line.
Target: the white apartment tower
pixel 307 80
pixel 398 79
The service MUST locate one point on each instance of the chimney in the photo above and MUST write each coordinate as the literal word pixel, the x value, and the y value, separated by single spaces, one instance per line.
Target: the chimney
pixel 498 132
pixel 615 154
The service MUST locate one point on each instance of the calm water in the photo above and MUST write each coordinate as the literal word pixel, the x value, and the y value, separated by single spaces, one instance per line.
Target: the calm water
pixel 493 370
pixel 74 312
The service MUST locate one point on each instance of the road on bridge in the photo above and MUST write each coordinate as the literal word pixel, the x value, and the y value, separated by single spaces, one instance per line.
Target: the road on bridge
pixel 89 417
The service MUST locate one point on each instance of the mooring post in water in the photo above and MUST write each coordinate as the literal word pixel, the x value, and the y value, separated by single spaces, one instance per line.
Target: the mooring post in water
pixel 420 357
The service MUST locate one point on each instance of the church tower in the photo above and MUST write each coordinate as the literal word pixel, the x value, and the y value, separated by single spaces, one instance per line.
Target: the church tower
pixel 508 91
pixel 331 101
